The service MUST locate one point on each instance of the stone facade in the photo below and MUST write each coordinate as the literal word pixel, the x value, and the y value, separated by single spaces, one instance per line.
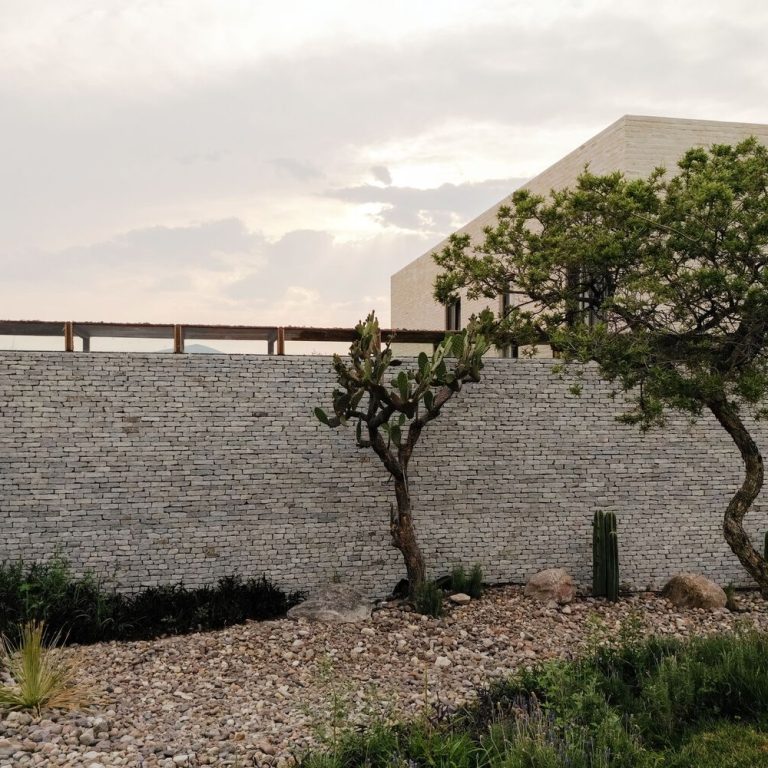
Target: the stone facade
pixel 633 144
pixel 159 468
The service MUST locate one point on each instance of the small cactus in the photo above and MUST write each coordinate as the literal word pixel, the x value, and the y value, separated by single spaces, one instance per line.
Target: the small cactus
pixel 605 556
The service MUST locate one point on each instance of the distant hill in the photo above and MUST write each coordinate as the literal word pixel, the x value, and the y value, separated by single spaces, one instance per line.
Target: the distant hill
pixel 197 349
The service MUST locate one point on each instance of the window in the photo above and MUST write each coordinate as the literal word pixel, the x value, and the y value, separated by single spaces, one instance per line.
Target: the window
pixel 453 316
pixel 506 303
pixel 506 306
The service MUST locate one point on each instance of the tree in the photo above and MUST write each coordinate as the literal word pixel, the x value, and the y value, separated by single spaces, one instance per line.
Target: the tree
pixel 391 415
pixel 661 281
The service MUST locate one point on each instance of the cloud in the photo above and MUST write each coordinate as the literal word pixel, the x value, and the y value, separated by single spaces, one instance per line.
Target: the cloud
pixel 90 158
pixel 217 271
pixel 381 173
pixel 298 169
pixel 123 125
pixel 429 209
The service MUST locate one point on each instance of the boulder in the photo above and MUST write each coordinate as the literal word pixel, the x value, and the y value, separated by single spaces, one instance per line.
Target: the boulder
pixel 460 598
pixel 334 603
pixel 552 584
pixel 692 590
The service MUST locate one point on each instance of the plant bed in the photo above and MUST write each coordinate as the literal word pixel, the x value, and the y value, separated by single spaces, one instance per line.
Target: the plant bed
pixel 84 610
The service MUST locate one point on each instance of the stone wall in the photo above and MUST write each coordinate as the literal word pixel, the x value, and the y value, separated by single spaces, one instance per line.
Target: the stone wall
pixel 157 468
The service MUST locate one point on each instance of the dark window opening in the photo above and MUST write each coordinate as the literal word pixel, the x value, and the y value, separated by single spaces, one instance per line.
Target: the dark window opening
pixel 453 316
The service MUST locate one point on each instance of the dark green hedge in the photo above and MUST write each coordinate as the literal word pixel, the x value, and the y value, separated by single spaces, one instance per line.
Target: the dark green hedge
pixel 84 610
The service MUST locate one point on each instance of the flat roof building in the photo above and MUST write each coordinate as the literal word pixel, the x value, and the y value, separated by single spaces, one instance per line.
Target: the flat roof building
pixel 633 144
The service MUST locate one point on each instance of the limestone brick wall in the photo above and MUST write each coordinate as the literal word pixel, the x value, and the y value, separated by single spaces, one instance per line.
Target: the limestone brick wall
pixel 159 468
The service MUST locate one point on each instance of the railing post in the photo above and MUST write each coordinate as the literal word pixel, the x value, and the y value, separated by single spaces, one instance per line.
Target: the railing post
pixel 281 341
pixel 178 339
pixel 69 336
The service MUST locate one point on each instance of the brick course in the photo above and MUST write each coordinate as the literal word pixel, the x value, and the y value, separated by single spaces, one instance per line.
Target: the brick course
pixel 159 468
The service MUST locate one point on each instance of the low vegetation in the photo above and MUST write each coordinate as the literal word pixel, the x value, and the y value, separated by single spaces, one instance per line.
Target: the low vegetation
pixel 469 583
pixel 641 704
pixel 40 676
pixel 428 599
pixel 84 610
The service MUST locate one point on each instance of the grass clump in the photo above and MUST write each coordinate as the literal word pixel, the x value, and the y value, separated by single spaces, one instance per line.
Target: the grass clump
pixel 475 582
pixel 459 580
pixel 41 677
pixel 469 583
pixel 428 599
pixel 82 609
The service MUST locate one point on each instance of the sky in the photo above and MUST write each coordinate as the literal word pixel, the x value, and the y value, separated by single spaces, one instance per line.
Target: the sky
pixel 273 163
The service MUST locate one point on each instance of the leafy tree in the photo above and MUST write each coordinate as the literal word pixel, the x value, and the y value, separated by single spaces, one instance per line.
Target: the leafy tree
pixel 391 414
pixel 661 281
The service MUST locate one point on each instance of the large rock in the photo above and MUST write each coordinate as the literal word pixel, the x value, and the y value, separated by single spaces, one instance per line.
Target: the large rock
pixel 334 603
pixel 692 590
pixel 553 584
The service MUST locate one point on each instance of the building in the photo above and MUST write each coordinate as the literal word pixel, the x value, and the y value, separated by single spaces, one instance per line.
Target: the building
pixel 633 144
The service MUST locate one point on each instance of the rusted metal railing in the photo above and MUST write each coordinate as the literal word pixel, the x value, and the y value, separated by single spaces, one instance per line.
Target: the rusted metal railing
pixel 275 336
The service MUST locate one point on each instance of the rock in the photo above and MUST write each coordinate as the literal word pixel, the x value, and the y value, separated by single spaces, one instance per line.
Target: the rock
pixel 87 738
pixel 334 603
pixel 460 598
pixel 266 748
pixel 442 662
pixel 8 747
pixel 552 584
pixel 692 590
pixel 18 718
pixel 99 725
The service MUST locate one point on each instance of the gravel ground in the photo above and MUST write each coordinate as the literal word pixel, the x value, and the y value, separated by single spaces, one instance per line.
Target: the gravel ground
pixel 262 693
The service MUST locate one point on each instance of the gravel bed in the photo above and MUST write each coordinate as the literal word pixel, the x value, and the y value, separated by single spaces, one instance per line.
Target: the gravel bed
pixel 263 693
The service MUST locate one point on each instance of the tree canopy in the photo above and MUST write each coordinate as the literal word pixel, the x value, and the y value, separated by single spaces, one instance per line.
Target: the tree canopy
pixel 662 281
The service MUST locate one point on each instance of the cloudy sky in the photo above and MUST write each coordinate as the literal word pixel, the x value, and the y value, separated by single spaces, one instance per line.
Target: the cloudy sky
pixel 239 161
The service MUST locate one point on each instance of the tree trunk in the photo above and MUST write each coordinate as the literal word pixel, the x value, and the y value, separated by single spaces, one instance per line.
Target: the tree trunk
pixel 733 526
pixel 404 537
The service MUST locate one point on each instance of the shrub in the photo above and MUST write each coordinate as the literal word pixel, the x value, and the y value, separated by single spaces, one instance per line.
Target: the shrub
pixel 429 599
pixel 471 584
pixel 729 745
pixel 84 610
pixel 475 583
pixel 41 677
pixel 459 581
pixel 641 704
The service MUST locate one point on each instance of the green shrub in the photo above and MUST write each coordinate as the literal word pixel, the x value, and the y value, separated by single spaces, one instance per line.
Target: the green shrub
pixel 475 584
pixel 429 599
pixel 459 581
pixel 728 745
pixel 641 704
pixel 83 610
pixel 471 584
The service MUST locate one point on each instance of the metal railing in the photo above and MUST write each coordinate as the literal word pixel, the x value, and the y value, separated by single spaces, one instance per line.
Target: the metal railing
pixel 275 336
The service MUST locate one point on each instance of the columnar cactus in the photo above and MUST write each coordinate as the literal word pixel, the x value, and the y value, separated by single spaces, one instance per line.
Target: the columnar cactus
pixel 605 556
